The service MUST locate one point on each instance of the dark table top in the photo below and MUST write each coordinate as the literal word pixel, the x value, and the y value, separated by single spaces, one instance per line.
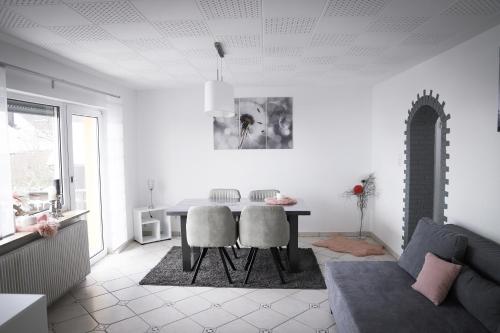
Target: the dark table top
pixel 181 208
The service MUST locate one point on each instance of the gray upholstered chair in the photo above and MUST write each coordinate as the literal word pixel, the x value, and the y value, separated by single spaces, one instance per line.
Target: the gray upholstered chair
pixel 260 195
pixel 211 227
pixel 264 227
pixel 224 194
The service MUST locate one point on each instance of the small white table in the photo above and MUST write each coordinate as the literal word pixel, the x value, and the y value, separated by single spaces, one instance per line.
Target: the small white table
pixel 151 224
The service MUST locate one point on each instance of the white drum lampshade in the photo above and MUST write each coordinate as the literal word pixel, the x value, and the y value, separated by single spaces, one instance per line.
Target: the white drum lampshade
pixel 219 99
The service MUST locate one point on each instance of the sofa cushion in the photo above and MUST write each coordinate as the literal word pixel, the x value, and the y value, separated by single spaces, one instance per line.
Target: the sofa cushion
pixel 482 255
pixel 480 297
pixel 377 297
pixel 436 278
pixel 434 238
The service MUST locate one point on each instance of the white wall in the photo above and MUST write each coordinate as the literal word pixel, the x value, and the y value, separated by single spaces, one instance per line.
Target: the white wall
pixel 331 151
pixel 467 79
pixel 119 116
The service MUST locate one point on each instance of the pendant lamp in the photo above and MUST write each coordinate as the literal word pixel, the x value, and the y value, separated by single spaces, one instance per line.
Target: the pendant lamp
pixel 219 95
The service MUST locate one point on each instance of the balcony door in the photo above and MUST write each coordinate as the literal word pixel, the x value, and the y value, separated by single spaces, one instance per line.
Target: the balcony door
pixel 85 172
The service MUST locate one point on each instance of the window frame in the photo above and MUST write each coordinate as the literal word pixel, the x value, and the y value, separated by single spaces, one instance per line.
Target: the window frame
pixel 62 137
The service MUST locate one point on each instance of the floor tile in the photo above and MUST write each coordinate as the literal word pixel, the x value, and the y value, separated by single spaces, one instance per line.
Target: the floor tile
pixel 86 282
pixel 131 325
pixel 76 325
pixel 162 316
pixel 316 318
pixel 213 317
pixel 293 326
pixel 185 325
pixel 265 318
pixel 64 300
pixel 175 294
pixel 105 274
pixel 266 296
pixel 219 295
pixel 155 289
pixel 137 277
pixel 200 290
pixel 112 314
pixel 239 326
pixel 118 284
pixel 192 305
pixel 290 306
pixel 241 306
pixel 311 295
pixel 130 293
pixel 145 304
pixel 88 292
pixel 99 302
pixel 62 313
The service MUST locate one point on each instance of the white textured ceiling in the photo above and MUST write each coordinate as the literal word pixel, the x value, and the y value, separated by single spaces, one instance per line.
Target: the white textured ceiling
pixel 156 43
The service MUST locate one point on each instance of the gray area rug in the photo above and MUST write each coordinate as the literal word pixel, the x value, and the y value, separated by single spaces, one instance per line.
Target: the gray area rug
pixel 264 274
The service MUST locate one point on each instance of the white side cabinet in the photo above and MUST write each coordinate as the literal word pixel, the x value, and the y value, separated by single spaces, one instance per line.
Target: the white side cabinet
pixel 151 225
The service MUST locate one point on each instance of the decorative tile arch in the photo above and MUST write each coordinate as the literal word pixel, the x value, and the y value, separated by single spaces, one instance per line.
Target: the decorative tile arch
pixel 424 111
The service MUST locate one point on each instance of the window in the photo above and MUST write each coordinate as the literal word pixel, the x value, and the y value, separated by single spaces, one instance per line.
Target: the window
pixel 34 146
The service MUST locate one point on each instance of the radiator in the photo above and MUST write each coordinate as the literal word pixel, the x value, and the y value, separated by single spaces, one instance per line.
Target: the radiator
pixel 49 266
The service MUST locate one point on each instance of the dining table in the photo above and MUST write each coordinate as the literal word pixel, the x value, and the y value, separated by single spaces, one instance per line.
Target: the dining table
pixel 191 254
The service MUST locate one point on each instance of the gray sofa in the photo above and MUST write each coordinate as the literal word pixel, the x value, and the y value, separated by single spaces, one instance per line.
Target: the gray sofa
pixel 377 297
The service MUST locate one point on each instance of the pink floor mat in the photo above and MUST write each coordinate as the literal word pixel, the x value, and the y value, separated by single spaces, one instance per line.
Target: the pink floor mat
pixel 357 247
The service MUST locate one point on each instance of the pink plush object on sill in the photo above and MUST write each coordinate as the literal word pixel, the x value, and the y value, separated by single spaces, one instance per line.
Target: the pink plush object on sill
pixel 436 278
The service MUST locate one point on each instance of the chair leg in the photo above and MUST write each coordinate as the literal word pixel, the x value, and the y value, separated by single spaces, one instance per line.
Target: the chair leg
pixel 278 256
pixel 221 253
pixel 252 260
pixel 234 252
pixel 277 263
pixel 198 264
pixel 228 259
pixel 249 257
pixel 238 245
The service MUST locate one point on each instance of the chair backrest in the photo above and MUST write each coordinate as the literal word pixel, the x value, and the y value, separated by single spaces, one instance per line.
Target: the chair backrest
pixel 260 195
pixel 264 226
pixel 224 194
pixel 210 226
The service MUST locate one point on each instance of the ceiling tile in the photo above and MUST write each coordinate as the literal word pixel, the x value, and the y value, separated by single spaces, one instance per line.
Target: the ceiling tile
pixel 108 12
pixel 82 32
pixel 28 2
pixel 355 8
pixel 291 8
pixel 135 30
pixel 301 40
pixel 105 46
pixel 192 43
pixel 380 38
pixel 182 28
pixel 474 7
pixel 449 24
pixel 365 51
pixel 37 35
pixel 319 40
pixel 426 38
pixel 10 19
pixel 396 24
pixel 230 9
pixel 164 10
pixel 137 64
pixel 244 61
pixel 282 51
pixel 239 41
pixel 235 26
pixel 348 25
pixel 327 60
pixel 51 15
pixel 162 55
pixel 145 44
pixel 416 8
pixel 201 53
pixel 289 25
pixel 242 52
pixel 325 51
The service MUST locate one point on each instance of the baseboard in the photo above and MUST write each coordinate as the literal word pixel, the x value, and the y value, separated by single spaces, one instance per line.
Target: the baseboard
pixel 122 247
pixel 387 247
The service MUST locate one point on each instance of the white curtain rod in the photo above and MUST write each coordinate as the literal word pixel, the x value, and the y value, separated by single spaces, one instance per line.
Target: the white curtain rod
pixel 55 79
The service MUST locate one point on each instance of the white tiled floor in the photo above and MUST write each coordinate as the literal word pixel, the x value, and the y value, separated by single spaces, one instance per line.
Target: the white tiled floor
pixel 111 300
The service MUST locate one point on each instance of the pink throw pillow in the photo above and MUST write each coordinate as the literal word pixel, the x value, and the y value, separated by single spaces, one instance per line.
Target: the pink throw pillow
pixel 436 278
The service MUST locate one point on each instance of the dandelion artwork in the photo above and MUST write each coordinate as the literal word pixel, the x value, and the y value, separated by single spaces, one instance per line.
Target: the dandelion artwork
pixel 259 123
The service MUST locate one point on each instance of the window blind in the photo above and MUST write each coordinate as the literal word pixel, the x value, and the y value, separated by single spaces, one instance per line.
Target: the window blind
pixel 30 108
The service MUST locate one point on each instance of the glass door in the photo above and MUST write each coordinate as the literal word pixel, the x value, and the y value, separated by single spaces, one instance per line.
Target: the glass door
pixel 85 175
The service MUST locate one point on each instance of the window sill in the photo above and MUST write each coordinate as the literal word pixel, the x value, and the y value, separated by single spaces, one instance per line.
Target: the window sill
pixel 19 239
